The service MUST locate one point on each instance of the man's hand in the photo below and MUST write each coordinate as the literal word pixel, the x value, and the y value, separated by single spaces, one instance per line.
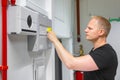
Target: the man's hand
pixel 52 36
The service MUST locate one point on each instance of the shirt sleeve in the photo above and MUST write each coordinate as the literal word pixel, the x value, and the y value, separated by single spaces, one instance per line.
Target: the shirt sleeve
pixel 101 58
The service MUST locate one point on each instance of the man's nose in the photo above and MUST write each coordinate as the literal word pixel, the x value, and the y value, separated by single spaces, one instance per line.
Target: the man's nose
pixel 85 30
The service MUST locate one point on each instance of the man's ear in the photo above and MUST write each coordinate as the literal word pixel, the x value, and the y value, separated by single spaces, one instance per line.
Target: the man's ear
pixel 101 32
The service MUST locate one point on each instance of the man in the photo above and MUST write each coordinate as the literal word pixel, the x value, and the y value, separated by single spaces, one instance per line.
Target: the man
pixel 101 63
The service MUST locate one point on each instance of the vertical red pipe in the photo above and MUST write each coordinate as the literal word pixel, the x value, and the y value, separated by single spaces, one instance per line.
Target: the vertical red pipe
pixel 78 75
pixel 4 39
pixel 78 19
pixel 4 66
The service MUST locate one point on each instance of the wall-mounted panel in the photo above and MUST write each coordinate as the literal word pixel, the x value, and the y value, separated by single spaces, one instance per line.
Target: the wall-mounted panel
pixel 22 20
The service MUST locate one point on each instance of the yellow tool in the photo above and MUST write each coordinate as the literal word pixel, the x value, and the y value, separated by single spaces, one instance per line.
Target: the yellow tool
pixel 49 29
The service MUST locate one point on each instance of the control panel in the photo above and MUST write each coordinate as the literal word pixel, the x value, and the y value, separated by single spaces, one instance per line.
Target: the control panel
pixel 22 20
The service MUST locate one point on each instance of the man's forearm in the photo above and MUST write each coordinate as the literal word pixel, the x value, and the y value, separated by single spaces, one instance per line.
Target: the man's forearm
pixel 63 54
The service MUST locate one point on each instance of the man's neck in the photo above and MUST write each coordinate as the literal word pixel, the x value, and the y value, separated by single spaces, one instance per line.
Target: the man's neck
pixel 99 43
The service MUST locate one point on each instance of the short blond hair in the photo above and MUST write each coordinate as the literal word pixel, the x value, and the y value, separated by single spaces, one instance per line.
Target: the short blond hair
pixel 103 23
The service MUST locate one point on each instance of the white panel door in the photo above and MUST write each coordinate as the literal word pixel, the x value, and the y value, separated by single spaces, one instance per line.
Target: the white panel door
pixel 61 18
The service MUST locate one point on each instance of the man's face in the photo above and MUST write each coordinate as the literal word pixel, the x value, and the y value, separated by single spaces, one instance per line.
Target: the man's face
pixel 92 30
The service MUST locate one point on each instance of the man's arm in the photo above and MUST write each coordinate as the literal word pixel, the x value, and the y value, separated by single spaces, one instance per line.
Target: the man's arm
pixel 82 63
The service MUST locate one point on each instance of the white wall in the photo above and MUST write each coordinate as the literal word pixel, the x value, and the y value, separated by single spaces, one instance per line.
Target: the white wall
pixel 89 8
pixel 104 8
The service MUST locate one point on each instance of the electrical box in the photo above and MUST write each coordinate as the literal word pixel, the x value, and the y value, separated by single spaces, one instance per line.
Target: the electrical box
pixel 40 42
pixel 22 20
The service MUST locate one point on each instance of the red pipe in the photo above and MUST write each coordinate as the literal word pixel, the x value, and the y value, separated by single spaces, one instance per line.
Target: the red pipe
pixel 78 20
pixel 78 75
pixel 13 2
pixel 4 66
